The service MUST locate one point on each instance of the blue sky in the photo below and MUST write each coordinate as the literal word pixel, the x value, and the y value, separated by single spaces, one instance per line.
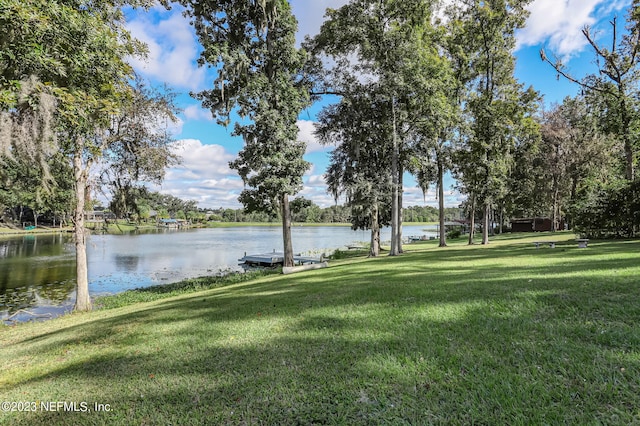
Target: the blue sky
pixel 206 148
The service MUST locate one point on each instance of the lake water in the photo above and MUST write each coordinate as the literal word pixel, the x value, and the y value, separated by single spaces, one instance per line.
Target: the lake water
pixel 38 271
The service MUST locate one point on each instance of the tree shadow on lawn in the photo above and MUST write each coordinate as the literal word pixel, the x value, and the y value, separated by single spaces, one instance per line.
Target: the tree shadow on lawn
pixel 513 361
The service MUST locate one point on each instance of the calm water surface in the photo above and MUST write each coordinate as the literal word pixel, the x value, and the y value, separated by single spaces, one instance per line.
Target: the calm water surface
pixel 38 271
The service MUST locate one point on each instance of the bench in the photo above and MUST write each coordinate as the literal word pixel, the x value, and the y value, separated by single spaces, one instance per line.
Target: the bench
pixel 552 244
pixel 582 242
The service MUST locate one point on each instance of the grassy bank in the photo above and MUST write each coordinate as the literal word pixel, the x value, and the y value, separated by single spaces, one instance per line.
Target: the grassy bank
pixel 5 231
pixel 504 334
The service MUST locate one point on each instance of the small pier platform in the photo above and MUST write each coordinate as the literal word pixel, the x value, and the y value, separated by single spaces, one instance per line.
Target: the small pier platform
pixel 275 259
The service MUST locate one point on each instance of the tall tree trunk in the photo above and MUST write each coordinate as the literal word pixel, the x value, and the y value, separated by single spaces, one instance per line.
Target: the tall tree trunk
pixel 374 249
pixel 443 233
pixel 492 221
pixel 286 230
pixel 400 209
pixel 394 188
pixel 626 135
pixel 472 219
pixel 554 218
pixel 83 301
pixel 485 225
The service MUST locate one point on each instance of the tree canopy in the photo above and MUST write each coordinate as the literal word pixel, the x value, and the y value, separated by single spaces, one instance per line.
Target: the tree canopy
pixel 64 64
pixel 252 45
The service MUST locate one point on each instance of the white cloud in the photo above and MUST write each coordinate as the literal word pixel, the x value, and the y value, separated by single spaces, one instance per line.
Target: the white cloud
pixel 559 23
pixel 195 112
pixel 306 134
pixel 310 14
pixel 203 175
pixel 311 171
pixel 175 127
pixel 317 181
pixel 614 5
pixel 173 50
pixel 322 199
pixel 200 159
pixel 413 196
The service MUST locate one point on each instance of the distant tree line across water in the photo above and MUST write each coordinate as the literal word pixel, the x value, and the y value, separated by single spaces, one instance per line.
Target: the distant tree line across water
pixel 143 206
pixel 306 211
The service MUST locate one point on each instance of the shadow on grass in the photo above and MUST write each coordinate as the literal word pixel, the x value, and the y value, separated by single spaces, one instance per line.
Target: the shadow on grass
pixel 486 365
pixel 365 343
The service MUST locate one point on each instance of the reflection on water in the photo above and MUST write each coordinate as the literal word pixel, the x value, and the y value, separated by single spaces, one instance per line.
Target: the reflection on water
pixel 126 262
pixel 53 294
pixel 35 270
pixel 39 270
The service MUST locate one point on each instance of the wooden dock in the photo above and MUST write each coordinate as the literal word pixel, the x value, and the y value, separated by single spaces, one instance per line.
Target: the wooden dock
pixel 275 259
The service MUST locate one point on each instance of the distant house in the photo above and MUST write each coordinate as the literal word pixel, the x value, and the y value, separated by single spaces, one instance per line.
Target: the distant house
pixel 173 223
pixel 98 215
pixel 533 224
pixel 169 223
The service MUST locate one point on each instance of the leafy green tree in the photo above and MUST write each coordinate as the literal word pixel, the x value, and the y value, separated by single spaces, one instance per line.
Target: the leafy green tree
pixel 335 214
pixel 575 154
pixel 557 172
pixel 497 106
pixel 166 205
pixel 392 46
pixel 613 89
pixel 73 51
pixel 23 186
pixel 138 146
pixel 299 208
pixel 144 212
pixel 304 210
pixel 252 45
pixel 612 95
pixel 359 168
pixel 163 213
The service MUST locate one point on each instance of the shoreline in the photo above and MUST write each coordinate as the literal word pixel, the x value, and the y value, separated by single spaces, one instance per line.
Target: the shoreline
pixel 56 305
pixel 39 230
pixel 105 301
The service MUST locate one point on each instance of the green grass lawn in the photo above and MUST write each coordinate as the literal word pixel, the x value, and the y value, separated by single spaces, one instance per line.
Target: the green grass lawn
pixel 502 334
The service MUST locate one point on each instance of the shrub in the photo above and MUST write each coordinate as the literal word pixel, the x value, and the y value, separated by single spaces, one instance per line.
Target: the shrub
pixel 454 233
pixel 610 212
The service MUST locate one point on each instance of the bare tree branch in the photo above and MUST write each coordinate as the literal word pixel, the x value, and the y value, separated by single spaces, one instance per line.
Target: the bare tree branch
pixel 558 67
